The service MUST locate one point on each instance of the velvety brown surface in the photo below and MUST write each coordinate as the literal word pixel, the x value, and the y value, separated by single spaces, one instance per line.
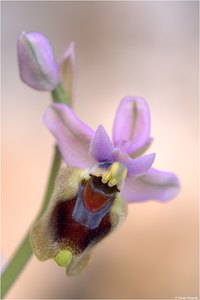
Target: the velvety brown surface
pixel 73 234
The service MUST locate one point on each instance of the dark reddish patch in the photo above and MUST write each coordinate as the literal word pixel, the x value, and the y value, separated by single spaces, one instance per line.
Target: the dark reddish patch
pixel 96 194
pixel 75 235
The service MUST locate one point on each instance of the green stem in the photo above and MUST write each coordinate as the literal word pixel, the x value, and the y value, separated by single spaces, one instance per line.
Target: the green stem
pixel 24 251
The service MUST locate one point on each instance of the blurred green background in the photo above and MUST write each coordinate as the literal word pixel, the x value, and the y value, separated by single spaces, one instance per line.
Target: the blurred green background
pixel 147 49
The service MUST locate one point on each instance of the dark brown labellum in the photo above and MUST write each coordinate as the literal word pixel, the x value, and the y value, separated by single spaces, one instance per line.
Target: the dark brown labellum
pixel 78 222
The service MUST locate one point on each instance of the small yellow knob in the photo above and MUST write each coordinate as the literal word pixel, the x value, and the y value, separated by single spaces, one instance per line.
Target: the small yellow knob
pixel 64 258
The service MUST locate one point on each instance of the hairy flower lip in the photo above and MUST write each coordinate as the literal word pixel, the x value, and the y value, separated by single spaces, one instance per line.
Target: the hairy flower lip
pixel 68 235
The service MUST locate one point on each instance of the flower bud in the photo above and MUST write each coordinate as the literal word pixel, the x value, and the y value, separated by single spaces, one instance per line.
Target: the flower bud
pixel 37 65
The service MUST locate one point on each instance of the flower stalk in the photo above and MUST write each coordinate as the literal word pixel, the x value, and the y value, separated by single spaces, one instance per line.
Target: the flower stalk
pixel 60 96
pixel 24 252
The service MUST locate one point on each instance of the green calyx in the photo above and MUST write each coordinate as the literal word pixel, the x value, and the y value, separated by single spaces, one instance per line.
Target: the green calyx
pixel 59 95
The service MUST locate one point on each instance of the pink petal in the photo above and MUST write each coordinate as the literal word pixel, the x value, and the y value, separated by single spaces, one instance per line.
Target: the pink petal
pixel 154 185
pixel 131 130
pixel 72 135
pixel 67 65
pixel 37 65
pixel 139 165
pixel 101 146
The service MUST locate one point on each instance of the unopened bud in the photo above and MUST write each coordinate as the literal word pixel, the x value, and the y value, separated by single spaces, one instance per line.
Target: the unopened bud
pixel 37 64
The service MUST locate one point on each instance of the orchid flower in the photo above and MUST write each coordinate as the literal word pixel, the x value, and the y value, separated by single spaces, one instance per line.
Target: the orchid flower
pixel 87 198
pixel 101 177
pixel 81 147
